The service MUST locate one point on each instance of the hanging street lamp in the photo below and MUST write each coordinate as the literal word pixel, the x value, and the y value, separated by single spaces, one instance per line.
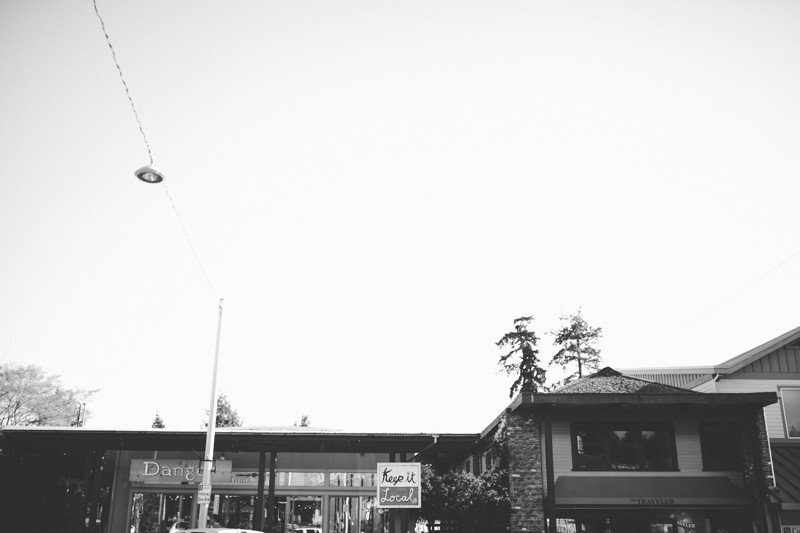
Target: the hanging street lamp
pixel 149 174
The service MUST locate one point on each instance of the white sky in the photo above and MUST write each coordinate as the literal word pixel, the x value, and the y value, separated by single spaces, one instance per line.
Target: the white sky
pixel 378 188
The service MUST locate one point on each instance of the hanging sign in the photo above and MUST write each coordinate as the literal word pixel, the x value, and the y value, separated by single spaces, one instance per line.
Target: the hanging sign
pixel 183 471
pixel 399 485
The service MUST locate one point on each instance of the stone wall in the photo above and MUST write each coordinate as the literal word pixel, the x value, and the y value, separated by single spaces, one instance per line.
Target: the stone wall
pixel 526 481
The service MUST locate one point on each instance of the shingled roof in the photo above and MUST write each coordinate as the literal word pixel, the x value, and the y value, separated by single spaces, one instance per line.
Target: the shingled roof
pixel 609 381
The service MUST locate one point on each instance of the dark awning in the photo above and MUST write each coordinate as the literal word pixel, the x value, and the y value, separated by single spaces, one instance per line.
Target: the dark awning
pixel 649 491
pixel 786 462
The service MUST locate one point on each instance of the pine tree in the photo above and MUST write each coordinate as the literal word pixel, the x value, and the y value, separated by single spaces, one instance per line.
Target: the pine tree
pixel 577 340
pixel 158 422
pixel 522 359
pixel 226 415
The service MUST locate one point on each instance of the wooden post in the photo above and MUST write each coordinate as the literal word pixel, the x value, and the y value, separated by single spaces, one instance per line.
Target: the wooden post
pixel 258 510
pixel 403 512
pixel 273 461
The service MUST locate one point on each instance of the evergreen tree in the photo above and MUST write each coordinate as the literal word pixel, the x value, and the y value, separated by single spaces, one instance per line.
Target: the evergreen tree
pixel 522 359
pixel 576 340
pixel 226 415
pixel 158 422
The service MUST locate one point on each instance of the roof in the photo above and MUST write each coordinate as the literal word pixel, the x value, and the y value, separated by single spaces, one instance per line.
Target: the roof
pixel 608 388
pixel 610 381
pixel 732 365
pixel 232 439
pixel 786 462
pixel 703 373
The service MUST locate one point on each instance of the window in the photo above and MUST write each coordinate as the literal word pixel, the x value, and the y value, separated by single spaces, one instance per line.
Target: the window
pixel 354 514
pixel 622 446
pixel 721 445
pixel 790 399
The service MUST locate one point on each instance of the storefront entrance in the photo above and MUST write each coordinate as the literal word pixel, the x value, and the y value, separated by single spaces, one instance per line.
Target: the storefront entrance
pixel 654 521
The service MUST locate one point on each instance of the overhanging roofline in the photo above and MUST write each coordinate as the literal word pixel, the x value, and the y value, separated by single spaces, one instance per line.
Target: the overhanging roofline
pixel 530 401
pixel 742 360
pixel 727 367
pixel 43 438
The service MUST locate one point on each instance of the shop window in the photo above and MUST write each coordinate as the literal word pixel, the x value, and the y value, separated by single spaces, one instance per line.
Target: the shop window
pixel 615 446
pixel 354 514
pixel 352 479
pixel 721 446
pixel 790 400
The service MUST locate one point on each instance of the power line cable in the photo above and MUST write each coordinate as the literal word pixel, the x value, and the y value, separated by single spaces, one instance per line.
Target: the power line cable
pixel 762 276
pixel 149 151
pixel 189 240
pixel 124 84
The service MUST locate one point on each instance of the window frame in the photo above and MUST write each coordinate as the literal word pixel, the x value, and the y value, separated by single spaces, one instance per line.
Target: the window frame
pixel 786 426
pixel 606 428
pixel 706 453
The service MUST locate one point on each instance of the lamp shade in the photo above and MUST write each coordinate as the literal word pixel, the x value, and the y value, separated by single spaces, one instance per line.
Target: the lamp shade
pixel 149 174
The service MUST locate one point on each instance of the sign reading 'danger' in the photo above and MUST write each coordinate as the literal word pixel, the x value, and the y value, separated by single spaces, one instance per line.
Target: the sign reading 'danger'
pixel 184 471
pixel 399 485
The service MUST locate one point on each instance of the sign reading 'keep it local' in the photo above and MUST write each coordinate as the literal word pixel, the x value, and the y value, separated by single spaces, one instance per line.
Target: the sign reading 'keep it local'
pixel 399 485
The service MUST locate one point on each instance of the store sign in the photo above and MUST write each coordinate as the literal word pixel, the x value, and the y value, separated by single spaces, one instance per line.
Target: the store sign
pixel 399 485
pixel 653 501
pixel 183 471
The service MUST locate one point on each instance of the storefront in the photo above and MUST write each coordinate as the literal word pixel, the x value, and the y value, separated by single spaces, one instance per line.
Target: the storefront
pixel 148 481
pixel 333 493
pixel 655 504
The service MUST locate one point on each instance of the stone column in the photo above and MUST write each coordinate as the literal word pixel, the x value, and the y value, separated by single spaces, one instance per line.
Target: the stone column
pixel 526 484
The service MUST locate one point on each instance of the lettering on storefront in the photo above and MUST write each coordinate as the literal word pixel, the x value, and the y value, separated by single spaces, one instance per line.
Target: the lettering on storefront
pixel 176 471
pixel 653 501
pixel 399 485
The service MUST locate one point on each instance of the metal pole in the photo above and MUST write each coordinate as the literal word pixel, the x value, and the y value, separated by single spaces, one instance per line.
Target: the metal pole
pixel 208 458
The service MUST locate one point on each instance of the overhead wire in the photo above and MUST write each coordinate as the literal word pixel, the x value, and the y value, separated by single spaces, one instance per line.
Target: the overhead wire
pixel 150 152
pixel 124 84
pixel 753 282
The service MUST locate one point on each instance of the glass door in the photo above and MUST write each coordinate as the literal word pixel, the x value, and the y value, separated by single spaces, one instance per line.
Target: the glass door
pixel 304 514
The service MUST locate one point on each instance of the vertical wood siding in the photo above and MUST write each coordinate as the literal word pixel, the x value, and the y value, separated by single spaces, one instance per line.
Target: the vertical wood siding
pixel 782 361
pixel 562 444
pixel 687 446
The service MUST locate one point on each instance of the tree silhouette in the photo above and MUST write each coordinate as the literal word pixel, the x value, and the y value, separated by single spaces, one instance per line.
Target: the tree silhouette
pixel 522 359
pixel 226 414
pixel 577 339
pixel 29 396
pixel 158 422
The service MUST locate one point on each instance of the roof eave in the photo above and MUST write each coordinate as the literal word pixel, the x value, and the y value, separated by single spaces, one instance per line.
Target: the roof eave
pixel 572 400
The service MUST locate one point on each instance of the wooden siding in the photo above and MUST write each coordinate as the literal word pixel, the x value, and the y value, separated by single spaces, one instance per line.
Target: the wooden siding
pixel 687 447
pixel 708 386
pixel 562 443
pixel 784 360
pixel 773 414
pixel 675 380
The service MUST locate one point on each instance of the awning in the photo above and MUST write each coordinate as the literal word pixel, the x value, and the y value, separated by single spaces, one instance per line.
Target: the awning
pixel 648 491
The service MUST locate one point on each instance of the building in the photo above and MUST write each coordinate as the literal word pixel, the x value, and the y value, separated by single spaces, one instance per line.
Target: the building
pixel 64 480
pixel 771 367
pixel 610 453
pixel 605 454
